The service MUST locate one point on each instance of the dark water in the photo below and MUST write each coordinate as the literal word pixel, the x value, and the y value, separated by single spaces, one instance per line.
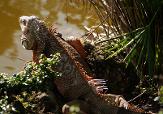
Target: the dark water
pixel 69 18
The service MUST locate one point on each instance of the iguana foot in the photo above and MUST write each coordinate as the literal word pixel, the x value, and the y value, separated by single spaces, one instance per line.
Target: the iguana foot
pixel 115 100
pixel 121 102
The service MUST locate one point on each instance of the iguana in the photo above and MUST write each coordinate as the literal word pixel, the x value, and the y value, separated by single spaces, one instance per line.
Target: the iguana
pixel 73 84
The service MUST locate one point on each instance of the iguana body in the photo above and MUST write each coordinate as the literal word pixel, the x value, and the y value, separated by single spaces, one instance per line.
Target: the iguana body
pixel 72 84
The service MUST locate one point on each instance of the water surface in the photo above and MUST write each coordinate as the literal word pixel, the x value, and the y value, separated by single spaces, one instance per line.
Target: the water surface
pixel 69 19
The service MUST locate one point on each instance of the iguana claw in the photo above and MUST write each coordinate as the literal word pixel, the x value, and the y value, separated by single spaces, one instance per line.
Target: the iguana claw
pixel 98 85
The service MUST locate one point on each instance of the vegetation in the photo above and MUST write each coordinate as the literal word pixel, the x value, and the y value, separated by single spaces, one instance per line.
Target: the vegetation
pixel 18 92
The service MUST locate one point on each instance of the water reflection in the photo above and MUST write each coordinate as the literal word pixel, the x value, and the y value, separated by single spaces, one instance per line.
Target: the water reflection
pixel 68 18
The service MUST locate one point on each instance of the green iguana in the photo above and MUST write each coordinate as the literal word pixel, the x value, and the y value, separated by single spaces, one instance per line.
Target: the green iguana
pixel 73 84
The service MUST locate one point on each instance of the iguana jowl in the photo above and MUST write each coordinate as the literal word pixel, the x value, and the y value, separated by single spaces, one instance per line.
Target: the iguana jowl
pixel 72 84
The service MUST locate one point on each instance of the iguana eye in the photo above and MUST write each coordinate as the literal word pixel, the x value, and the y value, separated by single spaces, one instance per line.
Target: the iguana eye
pixel 24 22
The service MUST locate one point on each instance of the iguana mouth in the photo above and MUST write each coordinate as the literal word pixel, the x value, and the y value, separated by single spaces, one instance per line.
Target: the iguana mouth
pixel 24 42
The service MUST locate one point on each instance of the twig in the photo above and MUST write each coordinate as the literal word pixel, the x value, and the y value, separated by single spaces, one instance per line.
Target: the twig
pixel 17 58
pixel 94 29
pixel 108 40
pixel 137 96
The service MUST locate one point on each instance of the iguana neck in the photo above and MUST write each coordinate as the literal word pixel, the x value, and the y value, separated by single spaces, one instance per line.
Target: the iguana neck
pixel 47 44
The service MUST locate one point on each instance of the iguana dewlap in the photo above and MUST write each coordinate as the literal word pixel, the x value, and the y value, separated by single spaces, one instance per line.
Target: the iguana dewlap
pixel 72 84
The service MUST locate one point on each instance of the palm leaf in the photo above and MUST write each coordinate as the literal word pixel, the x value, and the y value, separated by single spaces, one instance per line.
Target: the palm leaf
pixel 127 44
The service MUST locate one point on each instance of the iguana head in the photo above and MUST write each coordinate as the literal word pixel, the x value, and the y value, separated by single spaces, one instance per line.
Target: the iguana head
pixel 33 32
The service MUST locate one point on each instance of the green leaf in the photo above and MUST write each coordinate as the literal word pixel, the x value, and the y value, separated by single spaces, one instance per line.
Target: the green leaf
pixel 127 44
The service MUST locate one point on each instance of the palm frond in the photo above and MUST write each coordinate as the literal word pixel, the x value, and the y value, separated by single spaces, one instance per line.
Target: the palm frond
pixel 135 24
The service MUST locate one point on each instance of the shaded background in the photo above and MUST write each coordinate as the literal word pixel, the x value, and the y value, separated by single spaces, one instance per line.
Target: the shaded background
pixel 69 18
